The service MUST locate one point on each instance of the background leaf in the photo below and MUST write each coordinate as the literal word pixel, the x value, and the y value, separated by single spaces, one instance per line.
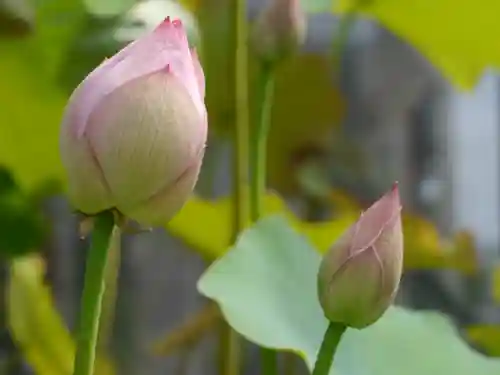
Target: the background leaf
pixel 35 324
pixel 107 8
pixel 22 225
pixel 424 249
pixel 32 102
pixel 487 337
pixel 458 36
pixel 266 288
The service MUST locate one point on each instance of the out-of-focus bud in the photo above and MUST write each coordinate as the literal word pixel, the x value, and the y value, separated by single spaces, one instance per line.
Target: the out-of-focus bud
pixel 359 276
pixel 134 131
pixel 279 30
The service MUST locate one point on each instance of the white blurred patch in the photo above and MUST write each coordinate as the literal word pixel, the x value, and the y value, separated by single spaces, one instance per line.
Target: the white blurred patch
pixel 146 15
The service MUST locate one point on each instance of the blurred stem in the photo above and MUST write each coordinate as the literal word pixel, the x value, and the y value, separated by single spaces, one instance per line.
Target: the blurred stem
pixel 328 348
pixel 258 146
pixel 340 39
pixel 289 363
pixel 93 291
pixel 230 344
pixel 241 164
pixel 190 332
pixel 258 160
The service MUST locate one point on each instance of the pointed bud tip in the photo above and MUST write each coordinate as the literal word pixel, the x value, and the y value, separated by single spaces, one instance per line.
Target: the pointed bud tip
pixel 168 21
pixel 394 193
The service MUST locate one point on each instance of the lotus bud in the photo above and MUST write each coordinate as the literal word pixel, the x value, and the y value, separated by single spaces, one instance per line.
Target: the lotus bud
pixel 279 30
pixel 134 131
pixel 359 276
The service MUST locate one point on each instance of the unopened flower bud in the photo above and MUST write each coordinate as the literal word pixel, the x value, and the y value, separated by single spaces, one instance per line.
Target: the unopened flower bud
pixel 359 276
pixel 134 131
pixel 279 30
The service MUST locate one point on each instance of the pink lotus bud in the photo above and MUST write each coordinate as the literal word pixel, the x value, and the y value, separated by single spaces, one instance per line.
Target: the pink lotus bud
pixel 279 30
pixel 134 131
pixel 359 276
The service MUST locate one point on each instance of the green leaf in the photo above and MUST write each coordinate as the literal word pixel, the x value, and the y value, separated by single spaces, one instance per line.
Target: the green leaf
pixel 460 37
pixel 32 104
pixel 266 288
pixel 108 8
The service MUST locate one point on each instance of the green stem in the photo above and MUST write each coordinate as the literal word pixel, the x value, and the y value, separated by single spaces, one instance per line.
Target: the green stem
pixel 258 150
pixel 328 347
pixel 93 291
pixel 112 274
pixel 258 159
pixel 340 40
pixel 241 164
pixel 230 340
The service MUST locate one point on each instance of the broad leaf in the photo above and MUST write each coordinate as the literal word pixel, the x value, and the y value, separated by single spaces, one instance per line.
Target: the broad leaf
pixel 32 104
pixel 460 37
pixel 424 249
pixel 266 288
pixel 213 220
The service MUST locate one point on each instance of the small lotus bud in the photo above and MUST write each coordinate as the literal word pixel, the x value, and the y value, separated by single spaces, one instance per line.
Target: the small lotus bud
pixel 134 131
pixel 359 276
pixel 279 30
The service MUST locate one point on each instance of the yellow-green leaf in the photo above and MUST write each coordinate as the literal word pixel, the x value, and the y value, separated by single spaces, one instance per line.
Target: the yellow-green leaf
pixel 29 119
pixel 36 326
pixel 487 337
pixel 460 37
pixel 496 283
pixel 424 248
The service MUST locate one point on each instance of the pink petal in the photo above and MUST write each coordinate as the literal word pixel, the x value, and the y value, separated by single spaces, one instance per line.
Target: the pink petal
pixel 166 46
pixel 198 71
pixel 374 220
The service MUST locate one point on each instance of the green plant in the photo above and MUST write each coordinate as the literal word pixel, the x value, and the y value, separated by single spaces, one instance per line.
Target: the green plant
pixel 265 284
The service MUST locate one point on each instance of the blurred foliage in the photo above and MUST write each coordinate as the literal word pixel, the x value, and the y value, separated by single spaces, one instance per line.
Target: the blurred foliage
pixel 424 249
pixel 306 109
pixel 98 38
pixel 79 42
pixel 47 48
pixel 487 337
pixel 21 223
pixel 461 53
pixel 32 102
pixel 189 333
pixel 16 17
pixel 496 283
pixel 65 46
pixel 36 326
pixel 266 288
pixel 457 36
pixel 108 8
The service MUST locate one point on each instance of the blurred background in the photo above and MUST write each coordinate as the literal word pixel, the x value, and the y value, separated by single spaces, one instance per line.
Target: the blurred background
pixel 341 134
